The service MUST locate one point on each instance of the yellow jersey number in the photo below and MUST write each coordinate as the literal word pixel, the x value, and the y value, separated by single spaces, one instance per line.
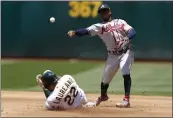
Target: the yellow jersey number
pixel 83 9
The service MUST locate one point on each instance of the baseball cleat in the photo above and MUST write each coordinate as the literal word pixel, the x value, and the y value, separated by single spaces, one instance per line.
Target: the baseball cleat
pixel 124 104
pixel 90 104
pixel 101 99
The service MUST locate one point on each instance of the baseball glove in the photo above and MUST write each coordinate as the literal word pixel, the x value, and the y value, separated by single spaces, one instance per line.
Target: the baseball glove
pixel 123 46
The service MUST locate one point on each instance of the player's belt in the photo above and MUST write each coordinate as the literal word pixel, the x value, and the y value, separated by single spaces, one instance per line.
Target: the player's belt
pixel 114 52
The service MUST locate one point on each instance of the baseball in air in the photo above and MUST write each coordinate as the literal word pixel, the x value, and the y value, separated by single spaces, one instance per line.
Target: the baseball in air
pixel 52 19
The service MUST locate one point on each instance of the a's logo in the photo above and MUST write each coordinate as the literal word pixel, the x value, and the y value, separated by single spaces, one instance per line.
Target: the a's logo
pixel 102 6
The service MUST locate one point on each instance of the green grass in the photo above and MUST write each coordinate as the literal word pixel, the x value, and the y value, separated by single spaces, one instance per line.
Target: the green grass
pixel 147 78
pixel 21 74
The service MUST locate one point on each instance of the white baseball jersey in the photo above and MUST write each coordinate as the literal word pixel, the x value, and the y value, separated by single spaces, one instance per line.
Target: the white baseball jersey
pixel 111 32
pixel 66 95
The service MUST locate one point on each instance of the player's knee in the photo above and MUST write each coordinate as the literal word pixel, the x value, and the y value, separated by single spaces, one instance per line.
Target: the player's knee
pixel 125 72
pixel 106 81
pixel 109 69
pixel 84 98
pixel 108 75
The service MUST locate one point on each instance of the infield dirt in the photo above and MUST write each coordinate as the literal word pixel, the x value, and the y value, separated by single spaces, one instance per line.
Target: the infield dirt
pixel 28 104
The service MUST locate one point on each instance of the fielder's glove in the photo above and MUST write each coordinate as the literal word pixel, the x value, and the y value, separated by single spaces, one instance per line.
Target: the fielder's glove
pixel 71 33
pixel 38 79
pixel 124 46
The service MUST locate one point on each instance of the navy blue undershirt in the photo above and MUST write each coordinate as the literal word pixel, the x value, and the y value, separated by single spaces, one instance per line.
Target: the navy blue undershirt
pixel 82 32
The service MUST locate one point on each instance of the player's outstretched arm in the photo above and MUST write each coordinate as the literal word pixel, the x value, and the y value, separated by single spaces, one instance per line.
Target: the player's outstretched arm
pixel 46 92
pixel 78 32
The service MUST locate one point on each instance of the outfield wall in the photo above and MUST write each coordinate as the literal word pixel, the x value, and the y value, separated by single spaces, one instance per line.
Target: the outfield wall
pixel 27 32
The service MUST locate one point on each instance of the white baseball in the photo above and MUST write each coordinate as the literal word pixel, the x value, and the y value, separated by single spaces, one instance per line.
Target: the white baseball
pixel 52 19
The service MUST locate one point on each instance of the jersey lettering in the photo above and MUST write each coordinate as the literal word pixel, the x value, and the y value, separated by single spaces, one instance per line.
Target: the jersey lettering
pixel 69 99
pixel 67 94
pixel 112 33
pixel 109 28
pixel 63 90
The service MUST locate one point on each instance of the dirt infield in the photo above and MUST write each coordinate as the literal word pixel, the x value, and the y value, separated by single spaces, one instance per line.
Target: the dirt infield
pixel 24 104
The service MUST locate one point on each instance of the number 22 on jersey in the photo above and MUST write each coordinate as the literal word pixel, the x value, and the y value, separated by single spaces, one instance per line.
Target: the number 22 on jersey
pixel 69 99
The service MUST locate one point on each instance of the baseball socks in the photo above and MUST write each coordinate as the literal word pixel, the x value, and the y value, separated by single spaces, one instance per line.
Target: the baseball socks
pixel 127 86
pixel 103 96
pixel 104 88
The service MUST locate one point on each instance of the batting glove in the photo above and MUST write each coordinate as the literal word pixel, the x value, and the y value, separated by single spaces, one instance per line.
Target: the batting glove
pixel 38 79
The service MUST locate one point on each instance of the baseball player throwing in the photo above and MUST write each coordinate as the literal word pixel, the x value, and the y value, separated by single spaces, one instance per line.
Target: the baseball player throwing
pixel 116 35
pixel 62 92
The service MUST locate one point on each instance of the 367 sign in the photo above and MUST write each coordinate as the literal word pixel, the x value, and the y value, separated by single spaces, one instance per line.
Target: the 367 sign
pixel 84 9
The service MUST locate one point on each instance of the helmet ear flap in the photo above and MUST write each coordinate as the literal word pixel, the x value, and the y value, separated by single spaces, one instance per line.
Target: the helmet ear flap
pixel 110 13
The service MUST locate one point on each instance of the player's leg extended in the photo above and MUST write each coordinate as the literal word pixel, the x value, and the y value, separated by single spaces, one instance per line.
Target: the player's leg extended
pixel 125 67
pixel 84 101
pixel 110 70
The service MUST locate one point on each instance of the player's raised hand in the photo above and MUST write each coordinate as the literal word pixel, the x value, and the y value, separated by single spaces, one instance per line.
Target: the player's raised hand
pixel 38 79
pixel 71 33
